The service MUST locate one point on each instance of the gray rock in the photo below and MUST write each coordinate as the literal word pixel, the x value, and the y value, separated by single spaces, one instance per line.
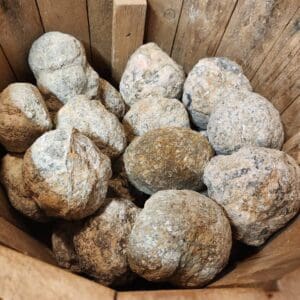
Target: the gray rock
pixel 258 187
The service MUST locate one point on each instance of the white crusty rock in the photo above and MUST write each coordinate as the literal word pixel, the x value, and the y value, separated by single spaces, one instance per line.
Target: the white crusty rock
pixel 248 119
pixel 20 198
pixel 151 72
pixel 59 64
pixel 258 187
pixel 92 119
pixel 101 244
pixel 23 116
pixel 67 174
pixel 201 88
pixel 181 237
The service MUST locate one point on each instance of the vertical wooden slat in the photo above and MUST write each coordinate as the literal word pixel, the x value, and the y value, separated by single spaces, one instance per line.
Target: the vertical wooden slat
pixel 253 29
pixel 6 74
pixel 100 20
pixel 200 28
pixel 127 32
pixel 161 22
pixel 66 16
pixel 19 26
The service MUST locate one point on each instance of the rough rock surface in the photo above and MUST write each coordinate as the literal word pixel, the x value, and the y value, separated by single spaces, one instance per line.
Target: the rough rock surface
pixel 249 120
pixel 111 98
pixel 151 72
pixel 181 237
pixel 58 62
pixel 12 179
pixel 92 119
pixel 67 174
pixel 154 113
pixel 167 158
pixel 201 88
pixel 23 116
pixel 258 187
pixel 101 245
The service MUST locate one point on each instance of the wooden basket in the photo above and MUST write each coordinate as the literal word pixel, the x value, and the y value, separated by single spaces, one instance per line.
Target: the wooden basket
pixel 263 36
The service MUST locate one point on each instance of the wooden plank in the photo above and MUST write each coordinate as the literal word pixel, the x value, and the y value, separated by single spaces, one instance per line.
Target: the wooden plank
pixel 100 20
pixel 6 74
pixel 278 77
pixel 66 16
pixel 23 277
pixel 292 147
pixel 161 22
pixel 200 29
pixel 253 29
pixel 20 26
pixel 127 32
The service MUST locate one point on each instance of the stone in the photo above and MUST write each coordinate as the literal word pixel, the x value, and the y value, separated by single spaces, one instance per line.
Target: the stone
pixel 181 237
pixel 259 189
pixel 248 120
pixel 23 116
pixel 151 72
pixel 167 158
pixel 201 90
pixel 92 119
pixel 67 174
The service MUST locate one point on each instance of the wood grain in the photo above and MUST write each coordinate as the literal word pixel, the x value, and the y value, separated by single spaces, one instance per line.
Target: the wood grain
pixel 161 22
pixel 253 29
pixel 200 29
pixel 292 147
pixel 20 26
pixel 66 16
pixel 6 74
pixel 127 32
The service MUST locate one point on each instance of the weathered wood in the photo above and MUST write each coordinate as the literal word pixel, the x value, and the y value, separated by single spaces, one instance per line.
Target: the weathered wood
pixel 292 147
pixel 127 32
pixel 20 26
pixel 6 74
pixel 23 277
pixel 200 29
pixel 100 20
pixel 161 22
pixel 253 29
pixel 66 16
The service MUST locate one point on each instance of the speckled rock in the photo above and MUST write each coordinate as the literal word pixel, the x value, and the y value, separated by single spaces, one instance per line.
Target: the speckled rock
pixel 58 62
pixel 92 119
pixel 258 187
pixel 181 237
pixel 111 98
pixel 201 88
pixel 249 120
pixel 23 116
pixel 167 158
pixel 101 245
pixel 154 113
pixel 12 179
pixel 67 174
pixel 151 72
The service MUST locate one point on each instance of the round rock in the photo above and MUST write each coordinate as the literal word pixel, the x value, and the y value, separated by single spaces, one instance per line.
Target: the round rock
pixel 167 158
pixel 258 187
pixel 201 88
pixel 181 237
pixel 67 174
pixel 151 72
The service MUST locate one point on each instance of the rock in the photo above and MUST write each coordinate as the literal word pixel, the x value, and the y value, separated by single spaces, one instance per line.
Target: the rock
pixel 111 98
pixel 11 178
pixel 101 245
pixel 258 187
pixel 167 158
pixel 58 62
pixel 154 113
pixel 67 174
pixel 201 88
pixel 151 72
pixel 248 120
pixel 92 119
pixel 23 116
pixel 181 237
